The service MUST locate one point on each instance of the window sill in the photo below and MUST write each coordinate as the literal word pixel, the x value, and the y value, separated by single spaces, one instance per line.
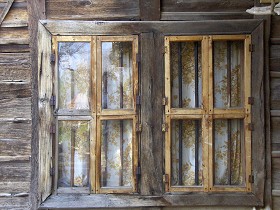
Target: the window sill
pixel 80 201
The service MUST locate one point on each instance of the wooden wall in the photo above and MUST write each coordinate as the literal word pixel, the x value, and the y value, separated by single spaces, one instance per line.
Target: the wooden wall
pixel 15 107
pixel 15 74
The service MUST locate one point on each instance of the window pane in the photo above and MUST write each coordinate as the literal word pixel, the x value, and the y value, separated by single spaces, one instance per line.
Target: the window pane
pixel 73 153
pixel 186 79
pixel 229 152
pixel 186 153
pixel 116 153
pixel 228 71
pixel 73 75
pixel 117 76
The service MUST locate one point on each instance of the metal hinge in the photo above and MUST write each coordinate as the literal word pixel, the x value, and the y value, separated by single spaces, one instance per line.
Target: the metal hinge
pixel 52 129
pixel 251 100
pixel 164 101
pixel 138 100
pixel 138 127
pixel 164 127
pixel 251 178
pixel 52 58
pixel 251 47
pixel 165 178
pixel 138 58
pixel 52 171
pixel 251 126
pixel 53 100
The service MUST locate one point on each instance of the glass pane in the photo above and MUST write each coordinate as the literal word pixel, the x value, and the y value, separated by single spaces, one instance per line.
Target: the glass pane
pixel 186 146
pixel 186 77
pixel 116 153
pixel 229 152
pixel 228 71
pixel 73 153
pixel 74 75
pixel 117 76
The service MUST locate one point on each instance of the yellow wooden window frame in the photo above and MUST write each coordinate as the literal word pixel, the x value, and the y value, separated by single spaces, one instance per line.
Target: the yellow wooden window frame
pixel 207 113
pixel 96 114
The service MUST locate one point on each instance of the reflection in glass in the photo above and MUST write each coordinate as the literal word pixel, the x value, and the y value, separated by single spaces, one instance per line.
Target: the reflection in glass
pixel 117 81
pixel 116 153
pixel 228 70
pixel 229 152
pixel 186 155
pixel 186 77
pixel 74 75
pixel 73 154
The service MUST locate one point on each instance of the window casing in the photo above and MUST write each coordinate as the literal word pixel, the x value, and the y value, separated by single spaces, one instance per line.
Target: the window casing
pixel 96 81
pixel 207 86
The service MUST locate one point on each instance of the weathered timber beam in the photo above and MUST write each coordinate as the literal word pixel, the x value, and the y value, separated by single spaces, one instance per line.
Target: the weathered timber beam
pixel 5 10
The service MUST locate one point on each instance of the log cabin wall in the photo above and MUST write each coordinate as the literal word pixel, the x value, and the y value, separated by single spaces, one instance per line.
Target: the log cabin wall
pixel 16 78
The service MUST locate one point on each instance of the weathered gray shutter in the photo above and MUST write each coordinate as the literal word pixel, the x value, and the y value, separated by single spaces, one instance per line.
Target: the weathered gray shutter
pixel 45 111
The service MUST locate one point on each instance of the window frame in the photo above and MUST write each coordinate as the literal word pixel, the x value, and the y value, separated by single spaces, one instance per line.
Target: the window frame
pixel 154 32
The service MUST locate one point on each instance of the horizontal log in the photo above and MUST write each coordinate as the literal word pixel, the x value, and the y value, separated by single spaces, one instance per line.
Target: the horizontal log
pixel 275 127
pixel 275 93
pixel 15 66
pixel 275 27
pixel 275 40
pixel 190 16
pixel 275 51
pixel 276 193
pixel 14 187
pixel 137 27
pixel 14 36
pixel 14 158
pixel 275 154
pixel 15 171
pixel 15 203
pixel 14 48
pixel 276 173
pixel 275 74
pixel 17 17
pixel 274 64
pixel 205 6
pixel 92 10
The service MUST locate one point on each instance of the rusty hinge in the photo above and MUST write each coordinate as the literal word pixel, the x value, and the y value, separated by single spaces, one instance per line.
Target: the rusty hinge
pixel 52 58
pixel 164 101
pixel 138 100
pixel 251 178
pixel 138 127
pixel 164 127
pixel 138 58
pixel 251 100
pixel 251 126
pixel 52 129
pixel 165 178
pixel 52 171
pixel 251 47
pixel 53 100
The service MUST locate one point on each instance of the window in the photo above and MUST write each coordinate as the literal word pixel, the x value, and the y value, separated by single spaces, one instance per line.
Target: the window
pixel 96 81
pixel 208 114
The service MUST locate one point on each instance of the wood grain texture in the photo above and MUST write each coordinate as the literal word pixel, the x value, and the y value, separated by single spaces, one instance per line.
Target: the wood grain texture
pixel 15 171
pixel 17 17
pixel 92 10
pixel 5 10
pixel 15 203
pixel 276 202
pixel 276 173
pixel 15 66
pixel 14 187
pixel 152 111
pixel 275 93
pixel 275 27
pixel 14 36
pixel 204 5
pixel 149 10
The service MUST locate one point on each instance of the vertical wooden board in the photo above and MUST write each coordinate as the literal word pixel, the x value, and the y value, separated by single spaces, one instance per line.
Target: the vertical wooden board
pixel 152 78
pixel 275 93
pixel 276 173
pixel 258 135
pixel 93 10
pixel 275 130
pixel 149 10
pixel 45 86
pixel 205 5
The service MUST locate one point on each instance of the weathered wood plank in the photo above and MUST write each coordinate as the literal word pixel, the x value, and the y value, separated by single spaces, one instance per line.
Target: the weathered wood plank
pixel 14 36
pixel 15 171
pixel 275 93
pixel 276 173
pixel 275 147
pixel 15 203
pixel 14 48
pixel 5 10
pixel 17 17
pixel 204 5
pixel 149 9
pixel 151 135
pixel 191 16
pixel 93 10
pixel 275 27
pixel 166 27
pixel 15 99
pixel 274 64
pixel 275 130
pixel 276 202
pixel 275 51
pixel 14 187
pixel 275 154
pixel 15 66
